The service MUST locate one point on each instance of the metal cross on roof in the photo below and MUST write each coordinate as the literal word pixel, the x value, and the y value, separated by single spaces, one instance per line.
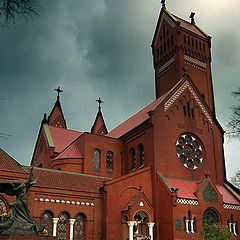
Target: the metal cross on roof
pixel 58 91
pixel 99 104
pixel 163 2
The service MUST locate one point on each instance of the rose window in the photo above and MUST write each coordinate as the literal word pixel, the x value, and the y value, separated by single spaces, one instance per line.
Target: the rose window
pixel 189 151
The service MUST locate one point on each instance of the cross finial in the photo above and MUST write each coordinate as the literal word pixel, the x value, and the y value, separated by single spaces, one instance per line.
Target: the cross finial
pixel 58 91
pixel 99 104
pixel 163 2
pixel 192 17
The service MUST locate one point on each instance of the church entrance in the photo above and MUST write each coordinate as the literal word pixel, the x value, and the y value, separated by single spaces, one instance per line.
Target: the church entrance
pixel 140 228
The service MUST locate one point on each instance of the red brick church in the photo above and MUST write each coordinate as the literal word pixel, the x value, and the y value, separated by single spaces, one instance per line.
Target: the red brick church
pixel 161 173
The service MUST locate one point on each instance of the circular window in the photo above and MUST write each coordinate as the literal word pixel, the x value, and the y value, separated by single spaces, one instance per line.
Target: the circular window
pixel 189 151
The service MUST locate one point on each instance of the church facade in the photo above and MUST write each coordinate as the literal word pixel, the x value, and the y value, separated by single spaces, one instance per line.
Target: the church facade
pixel 158 175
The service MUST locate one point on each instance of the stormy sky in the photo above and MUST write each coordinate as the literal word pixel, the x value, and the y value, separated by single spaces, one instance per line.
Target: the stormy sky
pixel 101 48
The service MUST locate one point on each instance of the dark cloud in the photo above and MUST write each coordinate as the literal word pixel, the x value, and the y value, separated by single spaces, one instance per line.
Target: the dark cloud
pixel 92 49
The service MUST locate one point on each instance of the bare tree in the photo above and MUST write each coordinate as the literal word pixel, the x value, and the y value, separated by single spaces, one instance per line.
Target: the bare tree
pixel 234 122
pixel 11 9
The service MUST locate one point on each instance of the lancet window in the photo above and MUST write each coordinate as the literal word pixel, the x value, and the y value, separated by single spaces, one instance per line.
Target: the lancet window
pixel 80 227
pixel 190 223
pixel 109 161
pixel 233 225
pixel 96 159
pixel 133 158
pixel 47 222
pixel 141 155
pixel 63 226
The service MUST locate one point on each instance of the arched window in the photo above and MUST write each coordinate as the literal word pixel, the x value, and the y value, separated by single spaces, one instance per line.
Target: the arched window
pixel 80 227
pixel 46 222
pixel 96 159
pixel 141 155
pixel 63 226
pixel 109 161
pixel 133 158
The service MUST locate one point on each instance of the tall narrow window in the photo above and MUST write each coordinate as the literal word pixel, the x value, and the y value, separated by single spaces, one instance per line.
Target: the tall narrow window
pixel 80 227
pixel 172 41
pixel 63 226
pixel 96 159
pixel 109 161
pixel 188 109
pixel 133 158
pixel 141 155
pixel 46 222
pixel 184 39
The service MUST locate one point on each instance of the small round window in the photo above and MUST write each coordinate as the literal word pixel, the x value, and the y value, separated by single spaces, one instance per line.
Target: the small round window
pixel 189 151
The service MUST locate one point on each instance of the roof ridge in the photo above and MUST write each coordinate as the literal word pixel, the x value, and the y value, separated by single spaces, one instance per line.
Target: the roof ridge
pixel 60 171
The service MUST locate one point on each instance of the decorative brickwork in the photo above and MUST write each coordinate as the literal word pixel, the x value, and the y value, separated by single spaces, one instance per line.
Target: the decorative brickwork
pixel 187 201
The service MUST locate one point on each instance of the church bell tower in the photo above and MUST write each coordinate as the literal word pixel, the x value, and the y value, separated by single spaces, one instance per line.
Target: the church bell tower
pixel 178 44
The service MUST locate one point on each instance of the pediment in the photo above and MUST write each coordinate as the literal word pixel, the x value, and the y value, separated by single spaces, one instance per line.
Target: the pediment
pixel 179 91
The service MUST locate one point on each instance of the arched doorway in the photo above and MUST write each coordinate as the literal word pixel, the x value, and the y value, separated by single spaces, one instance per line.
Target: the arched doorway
pixel 210 216
pixel 140 227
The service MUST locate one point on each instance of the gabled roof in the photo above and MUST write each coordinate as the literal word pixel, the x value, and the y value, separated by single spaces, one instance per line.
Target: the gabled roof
pixel 174 21
pixel 56 117
pixel 99 126
pixel 134 121
pixel 60 138
pixel 72 151
pixel 9 164
pixel 189 26
pixel 66 180
pixel 130 202
pixel 188 188
pixel 227 196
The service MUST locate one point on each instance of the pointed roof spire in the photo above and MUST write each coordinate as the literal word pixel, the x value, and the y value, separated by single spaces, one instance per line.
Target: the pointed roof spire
pixel 99 126
pixel 56 117
pixel 192 17
pixel 163 2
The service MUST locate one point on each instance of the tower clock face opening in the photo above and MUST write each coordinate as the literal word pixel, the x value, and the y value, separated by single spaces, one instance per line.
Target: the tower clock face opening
pixel 189 151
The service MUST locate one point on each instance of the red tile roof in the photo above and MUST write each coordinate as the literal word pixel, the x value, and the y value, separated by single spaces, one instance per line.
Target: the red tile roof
pixel 135 120
pixel 67 181
pixel 186 189
pixel 62 137
pixel 9 164
pixel 227 196
pixel 189 26
pixel 70 152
